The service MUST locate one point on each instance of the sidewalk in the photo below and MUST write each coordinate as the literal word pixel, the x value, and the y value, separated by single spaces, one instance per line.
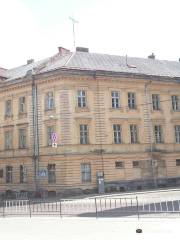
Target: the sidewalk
pixel 88 229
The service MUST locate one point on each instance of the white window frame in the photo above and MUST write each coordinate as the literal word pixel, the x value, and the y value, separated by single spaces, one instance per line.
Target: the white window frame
pixel 133 133
pixel 131 100
pixel 175 103
pixel 81 98
pixel 84 133
pixel 115 96
pixel 177 133
pixel 158 134
pixel 156 102
pixel 117 132
pixel 85 172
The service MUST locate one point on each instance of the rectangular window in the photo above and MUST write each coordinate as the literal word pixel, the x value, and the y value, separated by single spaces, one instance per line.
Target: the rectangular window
pixel 1 173
pixel 131 100
pixel 84 134
pixel 49 101
pixel 117 133
pixel 22 104
pixel 175 103
pixel 22 138
pixel 23 174
pixel 8 108
pixel 8 140
pixel 177 162
pixel 51 173
pixel 156 102
pixel 9 174
pixel 136 164
pixel 115 99
pixel 158 134
pixel 119 164
pixel 81 98
pixel 86 172
pixel 177 133
pixel 50 130
pixel 134 133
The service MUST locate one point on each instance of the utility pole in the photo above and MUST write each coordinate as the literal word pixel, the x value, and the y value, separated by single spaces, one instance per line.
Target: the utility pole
pixel 73 23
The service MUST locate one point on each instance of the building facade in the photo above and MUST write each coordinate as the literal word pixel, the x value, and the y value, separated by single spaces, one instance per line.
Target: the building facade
pixel 114 117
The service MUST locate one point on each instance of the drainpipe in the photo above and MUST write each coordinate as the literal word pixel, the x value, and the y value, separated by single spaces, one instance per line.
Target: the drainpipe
pixel 153 162
pixel 35 132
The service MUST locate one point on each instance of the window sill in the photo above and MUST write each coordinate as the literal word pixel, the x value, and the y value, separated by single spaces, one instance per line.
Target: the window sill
pixel 132 110
pixel 82 109
pixel 116 109
pixel 8 117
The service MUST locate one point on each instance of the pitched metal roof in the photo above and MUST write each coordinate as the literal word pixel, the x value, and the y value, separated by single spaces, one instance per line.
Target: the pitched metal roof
pixel 104 62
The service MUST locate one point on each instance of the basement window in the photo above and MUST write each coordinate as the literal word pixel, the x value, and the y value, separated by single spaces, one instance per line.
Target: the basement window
pixel 119 164
pixel 177 162
pixel 136 164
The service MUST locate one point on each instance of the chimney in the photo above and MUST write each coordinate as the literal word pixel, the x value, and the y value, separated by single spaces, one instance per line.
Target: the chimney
pixel 29 61
pixel 152 56
pixel 82 49
pixel 63 51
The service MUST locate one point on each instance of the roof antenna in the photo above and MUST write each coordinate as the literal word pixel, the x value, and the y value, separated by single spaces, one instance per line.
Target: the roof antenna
pixel 73 22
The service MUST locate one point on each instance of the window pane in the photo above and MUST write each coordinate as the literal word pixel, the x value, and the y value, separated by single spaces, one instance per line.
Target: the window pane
pixel 117 133
pixel 49 101
pixel 81 98
pixel 156 101
pixel 51 173
pixel 83 134
pixel 133 133
pixel 115 99
pixel 131 100
pixel 86 172
pixel 22 138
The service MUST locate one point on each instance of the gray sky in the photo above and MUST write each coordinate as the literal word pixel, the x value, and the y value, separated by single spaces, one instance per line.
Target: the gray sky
pixel 35 28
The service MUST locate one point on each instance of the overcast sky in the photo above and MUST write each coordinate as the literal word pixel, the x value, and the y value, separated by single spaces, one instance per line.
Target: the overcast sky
pixel 35 28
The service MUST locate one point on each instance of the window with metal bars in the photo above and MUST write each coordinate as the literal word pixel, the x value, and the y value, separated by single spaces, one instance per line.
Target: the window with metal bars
pixel 51 173
pixel 9 172
pixel 86 172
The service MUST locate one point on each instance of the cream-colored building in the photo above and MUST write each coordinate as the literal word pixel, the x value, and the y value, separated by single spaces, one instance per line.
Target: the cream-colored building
pixel 113 117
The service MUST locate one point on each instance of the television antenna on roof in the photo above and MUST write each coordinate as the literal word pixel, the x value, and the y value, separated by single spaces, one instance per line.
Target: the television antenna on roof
pixel 73 22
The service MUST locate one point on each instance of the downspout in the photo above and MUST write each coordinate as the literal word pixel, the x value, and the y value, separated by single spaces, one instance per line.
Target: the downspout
pixel 35 133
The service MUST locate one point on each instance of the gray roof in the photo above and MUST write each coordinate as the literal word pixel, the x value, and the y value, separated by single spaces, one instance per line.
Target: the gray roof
pixel 103 62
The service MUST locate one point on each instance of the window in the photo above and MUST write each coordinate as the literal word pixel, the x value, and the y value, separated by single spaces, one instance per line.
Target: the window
pixel 9 174
pixel 23 174
pixel 86 172
pixel 1 173
pixel 84 134
pixel 49 101
pixel 50 130
pixel 81 98
pixel 133 133
pixel 22 101
pixel 22 138
pixel 8 140
pixel 119 164
pixel 117 133
pixel 177 133
pixel 115 99
pixel 8 108
pixel 51 173
pixel 175 103
pixel 156 102
pixel 136 164
pixel 131 100
pixel 177 162
pixel 158 134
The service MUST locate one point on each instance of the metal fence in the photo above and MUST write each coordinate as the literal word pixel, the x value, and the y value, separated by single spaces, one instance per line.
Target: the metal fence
pixel 91 207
